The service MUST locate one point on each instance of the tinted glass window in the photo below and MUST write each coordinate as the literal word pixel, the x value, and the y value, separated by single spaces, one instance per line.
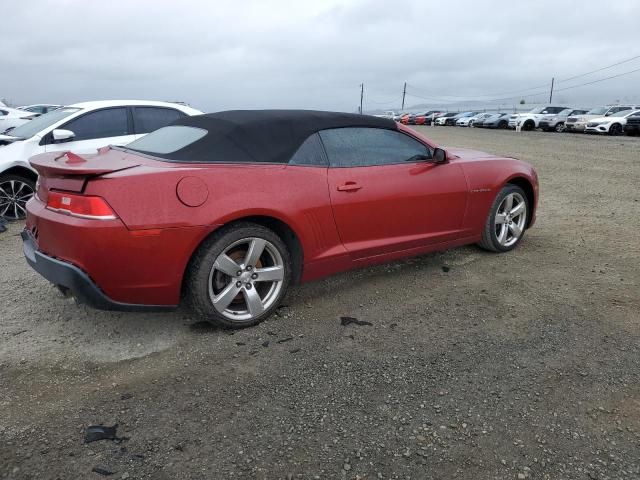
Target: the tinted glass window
pixel 311 152
pixel 111 122
pixel 148 119
pixel 167 139
pixel 360 147
pixel 43 122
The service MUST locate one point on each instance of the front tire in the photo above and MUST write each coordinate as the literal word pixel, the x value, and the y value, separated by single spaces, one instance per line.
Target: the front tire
pixel 15 192
pixel 615 129
pixel 559 127
pixel 238 276
pixel 507 220
pixel 528 126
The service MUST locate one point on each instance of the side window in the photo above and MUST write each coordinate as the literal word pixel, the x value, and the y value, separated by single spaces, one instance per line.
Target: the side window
pixel 148 119
pixel 3 112
pixel 310 153
pixel 110 122
pixel 362 147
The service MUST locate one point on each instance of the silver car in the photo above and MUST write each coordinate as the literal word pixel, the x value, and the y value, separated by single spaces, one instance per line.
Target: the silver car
pixel 550 123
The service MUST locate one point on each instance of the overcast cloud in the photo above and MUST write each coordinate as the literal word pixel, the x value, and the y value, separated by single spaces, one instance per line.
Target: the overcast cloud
pixel 314 54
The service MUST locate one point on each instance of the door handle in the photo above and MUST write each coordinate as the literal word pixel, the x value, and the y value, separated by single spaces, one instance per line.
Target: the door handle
pixel 349 187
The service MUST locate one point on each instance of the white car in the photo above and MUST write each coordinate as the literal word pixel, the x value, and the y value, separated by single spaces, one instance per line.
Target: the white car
pixel 612 125
pixel 39 108
pixel 469 121
pixel 12 117
pixel 578 123
pixel 389 114
pixel 81 128
pixel 530 120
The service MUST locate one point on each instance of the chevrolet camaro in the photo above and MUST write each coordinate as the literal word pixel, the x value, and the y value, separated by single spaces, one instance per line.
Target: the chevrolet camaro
pixel 224 211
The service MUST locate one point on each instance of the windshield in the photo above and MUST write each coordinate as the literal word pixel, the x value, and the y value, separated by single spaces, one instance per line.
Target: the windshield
pixel 537 110
pixel 566 111
pixel 621 113
pixel 32 127
pixel 598 111
pixel 167 140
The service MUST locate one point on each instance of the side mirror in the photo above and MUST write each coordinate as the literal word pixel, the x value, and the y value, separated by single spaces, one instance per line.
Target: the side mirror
pixel 60 136
pixel 439 156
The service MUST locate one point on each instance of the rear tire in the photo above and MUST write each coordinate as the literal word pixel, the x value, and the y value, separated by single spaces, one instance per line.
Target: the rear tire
pixel 507 220
pixel 238 276
pixel 15 192
pixel 502 125
pixel 559 127
pixel 528 125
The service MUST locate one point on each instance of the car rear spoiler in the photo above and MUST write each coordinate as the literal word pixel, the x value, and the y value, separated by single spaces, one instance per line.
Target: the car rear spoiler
pixel 70 164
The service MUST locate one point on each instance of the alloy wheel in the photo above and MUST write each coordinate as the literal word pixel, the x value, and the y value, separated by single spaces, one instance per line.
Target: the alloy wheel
pixel 510 219
pixel 246 278
pixel 14 195
pixel 559 127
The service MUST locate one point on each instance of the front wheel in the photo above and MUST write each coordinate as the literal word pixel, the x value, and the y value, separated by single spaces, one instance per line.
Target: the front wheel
pixel 615 129
pixel 507 220
pixel 238 277
pixel 15 192
pixel 559 127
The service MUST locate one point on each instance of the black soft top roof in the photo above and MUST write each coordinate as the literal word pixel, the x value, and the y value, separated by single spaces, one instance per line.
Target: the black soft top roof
pixel 266 136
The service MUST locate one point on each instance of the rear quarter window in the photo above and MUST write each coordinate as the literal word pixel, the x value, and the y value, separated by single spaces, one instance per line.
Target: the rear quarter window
pixel 148 119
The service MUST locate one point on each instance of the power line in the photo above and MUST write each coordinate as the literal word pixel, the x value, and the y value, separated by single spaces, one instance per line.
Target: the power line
pixel 443 97
pixel 599 69
pixel 599 80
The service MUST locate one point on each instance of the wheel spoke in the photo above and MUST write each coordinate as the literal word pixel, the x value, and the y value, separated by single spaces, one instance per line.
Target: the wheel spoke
pixel 269 274
pixel 225 264
pixel 517 210
pixel 22 185
pixel 225 297
pixel 500 218
pixel 515 229
pixel 254 302
pixel 502 237
pixel 24 212
pixel 508 203
pixel 256 247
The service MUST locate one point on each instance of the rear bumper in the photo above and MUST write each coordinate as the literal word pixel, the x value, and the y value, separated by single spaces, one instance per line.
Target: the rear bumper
pixel 69 277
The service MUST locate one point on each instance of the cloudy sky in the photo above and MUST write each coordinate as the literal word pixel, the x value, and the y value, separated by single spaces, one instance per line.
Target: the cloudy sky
pixel 219 55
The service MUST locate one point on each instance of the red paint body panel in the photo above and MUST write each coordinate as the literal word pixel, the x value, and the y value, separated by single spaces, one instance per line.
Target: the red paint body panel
pixel 378 214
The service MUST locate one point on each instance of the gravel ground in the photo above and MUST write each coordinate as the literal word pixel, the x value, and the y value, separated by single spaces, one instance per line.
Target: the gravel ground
pixel 475 365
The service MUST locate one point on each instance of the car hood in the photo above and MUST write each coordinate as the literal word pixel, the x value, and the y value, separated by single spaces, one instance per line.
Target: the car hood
pixel 593 118
pixel 469 154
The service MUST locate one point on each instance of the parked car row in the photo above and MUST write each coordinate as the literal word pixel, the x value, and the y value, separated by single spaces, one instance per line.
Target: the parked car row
pixel 611 120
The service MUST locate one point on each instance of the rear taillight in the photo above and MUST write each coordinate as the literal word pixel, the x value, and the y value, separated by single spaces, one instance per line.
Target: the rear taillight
pixel 83 206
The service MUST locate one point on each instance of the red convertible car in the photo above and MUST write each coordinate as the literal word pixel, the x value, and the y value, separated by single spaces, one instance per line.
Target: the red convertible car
pixel 225 211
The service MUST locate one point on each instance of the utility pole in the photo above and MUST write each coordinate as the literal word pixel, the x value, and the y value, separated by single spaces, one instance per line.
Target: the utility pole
pixel 361 96
pixel 404 93
pixel 551 94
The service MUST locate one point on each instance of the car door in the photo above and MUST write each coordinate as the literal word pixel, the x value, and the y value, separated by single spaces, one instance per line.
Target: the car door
pixel 385 198
pixel 148 119
pixel 95 129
